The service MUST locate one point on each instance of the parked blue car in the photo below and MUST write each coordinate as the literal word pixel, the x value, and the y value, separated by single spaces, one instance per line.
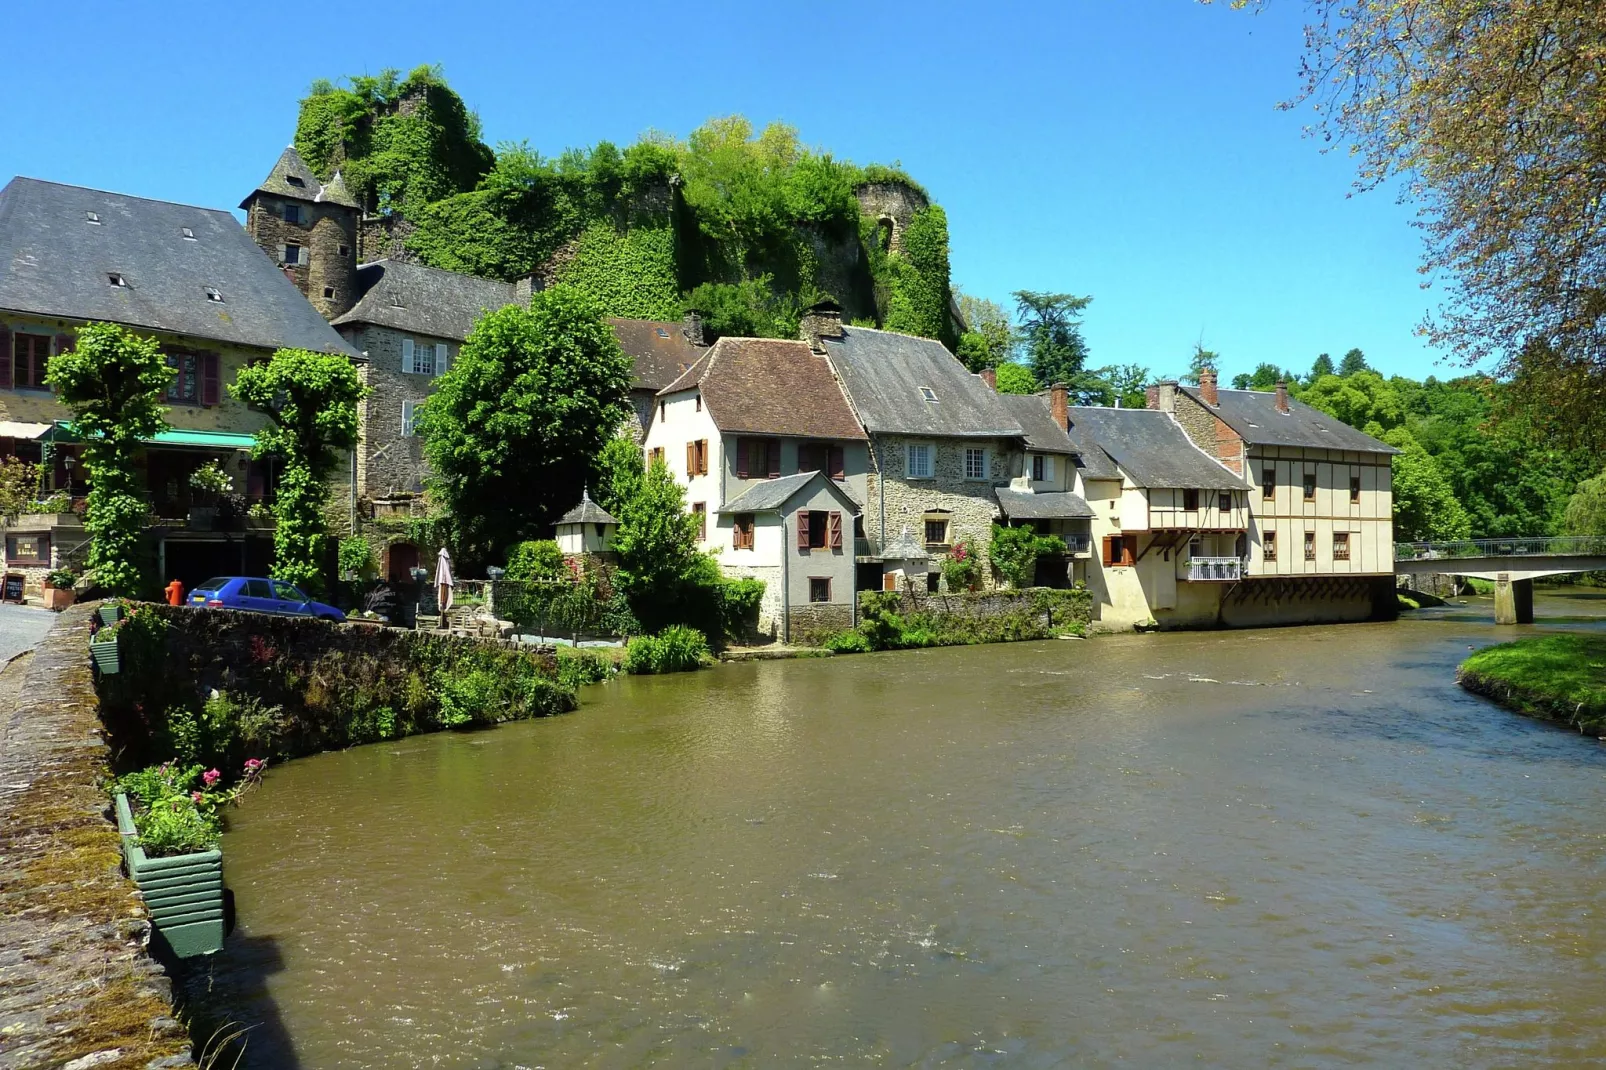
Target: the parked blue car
pixel 257 595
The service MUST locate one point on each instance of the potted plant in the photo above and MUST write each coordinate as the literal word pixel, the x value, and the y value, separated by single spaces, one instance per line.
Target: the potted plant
pixel 208 483
pixel 58 588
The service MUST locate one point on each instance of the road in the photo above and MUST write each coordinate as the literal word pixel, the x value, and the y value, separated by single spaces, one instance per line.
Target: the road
pixel 21 627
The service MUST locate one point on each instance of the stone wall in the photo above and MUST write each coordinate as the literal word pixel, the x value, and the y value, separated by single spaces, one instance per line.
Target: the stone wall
pixel 893 203
pixel 1209 432
pixel 971 504
pixel 381 237
pixel 812 622
pixel 326 274
pixel 78 986
pixel 388 464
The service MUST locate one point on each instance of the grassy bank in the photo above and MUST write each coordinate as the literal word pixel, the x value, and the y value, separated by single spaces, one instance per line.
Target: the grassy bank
pixel 1557 677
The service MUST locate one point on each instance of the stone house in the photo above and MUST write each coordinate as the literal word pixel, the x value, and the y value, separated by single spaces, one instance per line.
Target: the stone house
pixel 941 443
pixel 747 429
pixel 1043 494
pixel 193 279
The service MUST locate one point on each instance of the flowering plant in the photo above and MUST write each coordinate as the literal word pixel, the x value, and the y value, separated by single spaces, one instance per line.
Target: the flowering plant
pixel 177 809
pixel 211 480
pixel 960 567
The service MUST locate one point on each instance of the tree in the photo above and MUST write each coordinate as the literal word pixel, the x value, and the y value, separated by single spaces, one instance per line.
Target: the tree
pixel 310 400
pixel 112 381
pixel 1354 361
pixel 1050 335
pixel 1203 360
pixel 1128 383
pixel 1264 377
pixel 1425 507
pixel 989 338
pixel 1586 510
pixel 619 473
pixel 511 432
pixel 1016 378
pixel 1322 366
pixel 661 572
pixel 1358 400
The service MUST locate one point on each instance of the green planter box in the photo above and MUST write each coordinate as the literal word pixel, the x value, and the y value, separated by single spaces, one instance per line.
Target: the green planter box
pixel 184 893
pixel 110 612
pixel 106 655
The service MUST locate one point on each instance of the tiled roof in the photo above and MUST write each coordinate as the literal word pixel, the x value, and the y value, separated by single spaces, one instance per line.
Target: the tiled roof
pixel 887 376
pixel 1043 435
pixel 59 245
pixel 659 348
pixel 412 297
pixel 771 495
pixel 1253 414
pixel 1049 505
pixel 291 177
pixel 769 386
pixel 1153 450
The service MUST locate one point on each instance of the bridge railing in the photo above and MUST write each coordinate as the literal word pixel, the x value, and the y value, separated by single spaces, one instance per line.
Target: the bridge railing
pixel 1552 546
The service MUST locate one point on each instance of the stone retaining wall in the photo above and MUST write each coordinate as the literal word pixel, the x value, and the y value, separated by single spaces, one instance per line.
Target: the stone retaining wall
pixel 78 987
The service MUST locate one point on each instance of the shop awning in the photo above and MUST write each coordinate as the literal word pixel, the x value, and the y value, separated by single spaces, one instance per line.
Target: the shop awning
pixel 173 436
pixel 16 429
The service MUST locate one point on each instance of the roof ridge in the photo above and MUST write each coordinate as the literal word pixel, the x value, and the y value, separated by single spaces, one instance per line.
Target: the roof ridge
pixel 114 193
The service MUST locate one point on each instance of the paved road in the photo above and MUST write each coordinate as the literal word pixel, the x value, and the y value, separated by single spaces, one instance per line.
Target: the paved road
pixel 21 627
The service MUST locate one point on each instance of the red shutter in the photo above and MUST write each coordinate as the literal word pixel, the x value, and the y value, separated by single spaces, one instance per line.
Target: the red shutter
pixel 836 531
pixel 1109 547
pixel 774 450
pixel 803 530
pixel 741 458
pixel 839 468
pixel 209 377
pixel 5 358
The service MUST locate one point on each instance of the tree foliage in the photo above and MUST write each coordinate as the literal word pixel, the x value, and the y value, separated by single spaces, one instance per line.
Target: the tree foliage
pixel 1016 378
pixel 989 338
pixel 1128 384
pixel 1586 509
pixel 1265 377
pixel 310 400
pixel 1323 365
pixel 661 571
pixel 1050 334
pixel 512 428
pixel 112 381
pixel 1014 552
pixel 1425 506
pixel 1202 360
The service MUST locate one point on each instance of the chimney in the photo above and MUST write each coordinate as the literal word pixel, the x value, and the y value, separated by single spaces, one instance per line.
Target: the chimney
pixel 822 322
pixel 1165 396
pixel 1282 397
pixel 1059 402
pixel 524 287
pixel 691 325
pixel 990 377
pixel 1207 387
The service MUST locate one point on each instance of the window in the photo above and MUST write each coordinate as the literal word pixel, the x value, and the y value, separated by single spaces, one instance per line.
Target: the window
pixel 409 418
pixel 697 402
pixel 328 292
pixel 185 387
pixel 1042 467
pixel 1268 545
pixel 697 458
pixel 292 253
pixel 258 589
pixel 1196 547
pixel 116 279
pixel 189 235
pixel 929 394
pixel 28 549
pixel 1310 546
pixel 937 529
pixel 1355 490
pixel 292 213
pixel 975 463
pixel 1190 500
pixel 287 592
pixel 345 250
pixel 1224 502
pixel 819 588
pixel 660 410
pixel 1076 459
pixel 917 457
pixel 1120 551
pixel 1268 483
pixel 93 218
pixel 817 522
pixel 742 532
pixel 933 582
pixel 699 513
pixel 1310 486
pixel 655 456
pixel 295 180
pixel 30 357
pixel 1340 546
pixel 213 294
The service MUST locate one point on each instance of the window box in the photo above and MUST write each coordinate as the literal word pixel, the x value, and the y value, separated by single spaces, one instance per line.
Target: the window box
pixel 203 517
pixel 184 893
pixel 105 653
pixel 110 612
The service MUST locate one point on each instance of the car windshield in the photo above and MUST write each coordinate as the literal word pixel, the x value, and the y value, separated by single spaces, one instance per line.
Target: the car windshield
pixel 213 584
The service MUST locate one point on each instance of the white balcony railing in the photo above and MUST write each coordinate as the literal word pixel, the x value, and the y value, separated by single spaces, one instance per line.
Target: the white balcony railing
pixel 1078 544
pixel 1215 569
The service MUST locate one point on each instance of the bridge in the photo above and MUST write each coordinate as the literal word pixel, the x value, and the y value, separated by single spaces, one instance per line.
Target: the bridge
pixel 1512 564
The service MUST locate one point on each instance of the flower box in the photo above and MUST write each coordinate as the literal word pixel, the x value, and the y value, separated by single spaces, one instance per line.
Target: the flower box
pixel 106 655
pixel 110 612
pixel 184 893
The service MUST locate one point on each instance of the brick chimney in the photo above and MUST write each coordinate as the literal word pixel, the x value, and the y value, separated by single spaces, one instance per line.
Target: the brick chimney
pixel 822 322
pixel 1207 387
pixel 1164 397
pixel 1059 405
pixel 990 377
pixel 1282 397
pixel 691 325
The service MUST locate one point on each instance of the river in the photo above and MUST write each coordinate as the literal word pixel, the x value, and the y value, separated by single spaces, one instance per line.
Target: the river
pixel 1293 847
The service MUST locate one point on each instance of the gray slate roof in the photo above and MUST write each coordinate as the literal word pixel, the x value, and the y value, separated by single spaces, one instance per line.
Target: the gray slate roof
pixel 425 300
pixel 291 177
pixel 1153 450
pixel 55 262
pixel 904 546
pixel 1253 414
pixel 771 495
pixel 883 373
pixel 1043 435
pixel 587 512
pixel 1094 462
pixel 1052 505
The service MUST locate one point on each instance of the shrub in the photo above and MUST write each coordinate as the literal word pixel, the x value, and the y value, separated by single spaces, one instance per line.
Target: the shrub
pixel 61 578
pixel 538 559
pixel 675 649
pixel 1015 551
pixel 847 642
pixel 356 558
pixel 467 698
pixel 577 666
pixel 177 809
pixel 738 605
pixel 959 569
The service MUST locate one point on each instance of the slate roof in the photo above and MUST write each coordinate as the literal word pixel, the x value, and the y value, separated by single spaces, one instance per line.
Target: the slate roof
pixel 425 300
pixel 884 372
pixel 1052 505
pixel 291 177
pixel 770 386
pixel 587 512
pixel 772 494
pixel 1095 463
pixel 1036 419
pixel 1153 450
pixel 659 348
pixel 1253 414
pixel 54 262
pixel 904 546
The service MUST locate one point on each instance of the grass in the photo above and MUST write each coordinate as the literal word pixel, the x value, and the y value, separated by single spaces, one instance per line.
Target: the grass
pixel 1557 677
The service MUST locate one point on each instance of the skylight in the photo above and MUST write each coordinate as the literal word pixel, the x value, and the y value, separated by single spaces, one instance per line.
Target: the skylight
pixel 295 180
pixel 115 279
pixel 661 332
pixel 92 217
pixel 929 394
pixel 189 235
pixel 214 295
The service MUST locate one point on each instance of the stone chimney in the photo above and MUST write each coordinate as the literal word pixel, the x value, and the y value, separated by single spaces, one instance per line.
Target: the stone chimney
pixel 1207 387
pixel 691 325
pixel 1164 397
pixel 1059 405
pixel 524 287
pixel 1282 397
pixel 990 377
pixel 820 323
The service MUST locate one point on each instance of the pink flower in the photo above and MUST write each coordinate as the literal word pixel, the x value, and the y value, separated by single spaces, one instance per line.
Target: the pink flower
pixel 197 797
pixel 210 777
pixel 252 765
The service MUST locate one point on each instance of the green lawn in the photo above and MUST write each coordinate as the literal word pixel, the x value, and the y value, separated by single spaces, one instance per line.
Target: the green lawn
pixel 1562 677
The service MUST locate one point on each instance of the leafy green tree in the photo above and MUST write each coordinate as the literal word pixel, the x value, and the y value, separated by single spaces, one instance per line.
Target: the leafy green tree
pixel 1354 361
pixel 1016 378
pixel 536 559
pixel 1586 509
pixel 1201 361
pixel 1322 367
pixel 918 293
pixel 989 340
pixel 619 473
pixel 1050 338
pixel 661 571
pixel 310 400
pixel 511 432
pixel 1360 399
pixel 1014 552
pixel 1264 377
pixel 112 381
pixel 1425 507
pixel 1128 384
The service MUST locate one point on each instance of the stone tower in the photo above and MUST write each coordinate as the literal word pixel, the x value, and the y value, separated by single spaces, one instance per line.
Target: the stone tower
pixel 310 229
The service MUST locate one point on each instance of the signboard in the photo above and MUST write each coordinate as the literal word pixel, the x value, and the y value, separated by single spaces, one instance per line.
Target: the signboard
pixel 12 590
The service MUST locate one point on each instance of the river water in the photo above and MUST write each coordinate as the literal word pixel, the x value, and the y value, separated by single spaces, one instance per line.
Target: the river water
pixel 1294 847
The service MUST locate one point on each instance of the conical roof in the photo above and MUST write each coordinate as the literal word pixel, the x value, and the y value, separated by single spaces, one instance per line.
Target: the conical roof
pixel 291 177
pixel 337 193
pixel 587 512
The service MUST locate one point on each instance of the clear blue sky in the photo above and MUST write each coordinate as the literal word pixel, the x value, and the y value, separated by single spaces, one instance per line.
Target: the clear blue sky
pixel 1130 150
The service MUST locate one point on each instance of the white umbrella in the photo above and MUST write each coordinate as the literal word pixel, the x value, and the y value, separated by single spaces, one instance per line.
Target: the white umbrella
pixel 443 580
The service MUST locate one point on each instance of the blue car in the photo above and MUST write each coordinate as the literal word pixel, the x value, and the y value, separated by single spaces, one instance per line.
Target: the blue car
pixel 257 595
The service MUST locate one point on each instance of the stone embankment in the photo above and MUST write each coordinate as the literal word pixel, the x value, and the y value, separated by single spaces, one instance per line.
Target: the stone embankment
pixel 78 987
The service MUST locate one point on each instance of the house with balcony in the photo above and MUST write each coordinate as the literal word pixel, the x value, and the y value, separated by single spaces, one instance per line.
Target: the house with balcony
pixel 1043 492
pixel 193 279
pixel 774 464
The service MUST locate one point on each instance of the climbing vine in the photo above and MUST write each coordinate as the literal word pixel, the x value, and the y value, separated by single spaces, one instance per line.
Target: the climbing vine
pixel 629 273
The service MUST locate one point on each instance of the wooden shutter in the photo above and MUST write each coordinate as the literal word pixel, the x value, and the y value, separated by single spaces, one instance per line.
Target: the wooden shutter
pixel 407 356
pixel 440 358
pixel 5 358
pixel 210 392
pixel 1129 550
pixel 839 468
pixel 889 581
pixel 803 530
pixel 1109 549
pixel 741 458
pixel 773 448
pixel 691 458
pixel 836 530
pixel 702 456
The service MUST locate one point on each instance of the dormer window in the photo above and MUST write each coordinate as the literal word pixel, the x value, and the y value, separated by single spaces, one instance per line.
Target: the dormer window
pixel 189 235
pixel 115 279
pixel 929 394
pixel 295 180
pixel 92 218
pixel 661 332
pixel 213 294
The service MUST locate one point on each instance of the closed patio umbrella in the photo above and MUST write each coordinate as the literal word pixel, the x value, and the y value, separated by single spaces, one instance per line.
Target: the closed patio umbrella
pixel 443 582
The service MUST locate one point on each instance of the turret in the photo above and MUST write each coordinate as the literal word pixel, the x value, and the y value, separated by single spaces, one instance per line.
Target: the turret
pixel 309 227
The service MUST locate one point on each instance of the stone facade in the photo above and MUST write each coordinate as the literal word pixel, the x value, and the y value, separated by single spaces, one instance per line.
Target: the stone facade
pixel 383 237
pixel 892 205
pixel 326 233
pixel 1209 432
pixel 389 463
pixel 769 606
pixel 895 503
pixel 811 623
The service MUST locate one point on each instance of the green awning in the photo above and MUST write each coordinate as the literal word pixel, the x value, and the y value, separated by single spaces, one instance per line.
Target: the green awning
pixel 173 436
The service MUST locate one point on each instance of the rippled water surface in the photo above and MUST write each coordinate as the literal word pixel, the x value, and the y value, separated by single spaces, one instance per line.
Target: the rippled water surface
pixel 1297 847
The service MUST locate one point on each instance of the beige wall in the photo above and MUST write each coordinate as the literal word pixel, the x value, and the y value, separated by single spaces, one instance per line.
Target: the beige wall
pixel 1167 512
pixel 1369 522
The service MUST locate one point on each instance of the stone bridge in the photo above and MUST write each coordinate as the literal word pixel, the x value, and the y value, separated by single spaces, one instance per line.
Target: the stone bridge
pixel 1512 564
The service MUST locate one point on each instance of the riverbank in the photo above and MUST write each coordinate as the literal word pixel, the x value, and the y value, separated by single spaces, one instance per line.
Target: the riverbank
pixel 1555 677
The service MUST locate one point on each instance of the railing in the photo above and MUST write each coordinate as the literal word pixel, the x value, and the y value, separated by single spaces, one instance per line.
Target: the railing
pixel 1557 546
pixel 1078 543
pixel 1217 569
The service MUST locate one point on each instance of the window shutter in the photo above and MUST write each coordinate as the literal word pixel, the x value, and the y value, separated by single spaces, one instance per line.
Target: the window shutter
pixel 407 419
pixel 803 530
pixel 209 379
pixel 836 531
pixel 839 469
pixel 407 356
pixel 5 358
pixel 1048 467
pixel 691 459
pixel 440 358
pixel 889 581
pixel 741 458
pixel 1109 548
pixel 1129 549
pixel 774 450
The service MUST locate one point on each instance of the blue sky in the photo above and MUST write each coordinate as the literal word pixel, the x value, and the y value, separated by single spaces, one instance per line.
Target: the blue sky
pixel 1131 150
